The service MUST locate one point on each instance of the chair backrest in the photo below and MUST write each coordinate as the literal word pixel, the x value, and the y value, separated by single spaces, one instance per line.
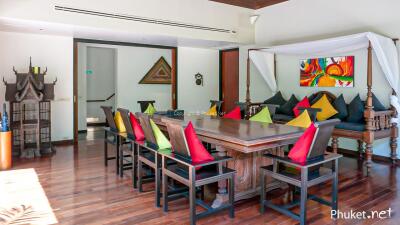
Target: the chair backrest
pixel 110 117
pixel 147 130
pixel 127 122
pixel 145 104
pixel 242 106
pixel 271 108
pixel 321 138
pixel 177 138
pixel 219 105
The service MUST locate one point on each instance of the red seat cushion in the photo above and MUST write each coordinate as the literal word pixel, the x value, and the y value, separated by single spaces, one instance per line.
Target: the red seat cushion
pixel 197 151
pixel 300 150
pixel 303 103
pixel 137 129
pixel 234 114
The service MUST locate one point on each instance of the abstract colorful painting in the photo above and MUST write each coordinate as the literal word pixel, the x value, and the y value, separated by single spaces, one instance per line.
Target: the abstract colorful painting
pixel 327 72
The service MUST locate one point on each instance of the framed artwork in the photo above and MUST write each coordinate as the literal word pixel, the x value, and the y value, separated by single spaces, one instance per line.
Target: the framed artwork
pixel 327 72
pixel 159 73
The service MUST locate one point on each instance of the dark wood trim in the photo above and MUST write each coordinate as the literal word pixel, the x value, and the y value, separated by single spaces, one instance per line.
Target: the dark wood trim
pixel 63 142
pixel 174 103
pixel 75 91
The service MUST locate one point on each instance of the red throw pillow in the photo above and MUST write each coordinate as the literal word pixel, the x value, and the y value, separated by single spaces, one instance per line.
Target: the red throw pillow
pixel 303 103
pixel 234 114
pixel 300 150
pixel 197 151
pixel 137 129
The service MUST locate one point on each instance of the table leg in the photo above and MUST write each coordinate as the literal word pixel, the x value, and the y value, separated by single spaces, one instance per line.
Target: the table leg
pixel 222 195
pixel 105 149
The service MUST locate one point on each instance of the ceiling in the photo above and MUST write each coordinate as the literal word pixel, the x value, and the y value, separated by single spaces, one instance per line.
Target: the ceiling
pixel 251 4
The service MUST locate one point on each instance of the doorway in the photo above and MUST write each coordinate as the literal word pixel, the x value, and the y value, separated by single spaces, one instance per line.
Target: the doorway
pixel 229 78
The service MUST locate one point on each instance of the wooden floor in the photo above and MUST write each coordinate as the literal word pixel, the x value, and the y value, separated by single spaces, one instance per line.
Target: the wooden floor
pixel 82 191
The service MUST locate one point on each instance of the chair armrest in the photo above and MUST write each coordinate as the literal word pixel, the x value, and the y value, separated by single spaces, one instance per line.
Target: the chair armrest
pixel 187 162
pixel 286 160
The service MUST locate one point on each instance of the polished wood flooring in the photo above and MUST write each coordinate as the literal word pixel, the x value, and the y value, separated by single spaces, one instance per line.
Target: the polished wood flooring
pixel 81 190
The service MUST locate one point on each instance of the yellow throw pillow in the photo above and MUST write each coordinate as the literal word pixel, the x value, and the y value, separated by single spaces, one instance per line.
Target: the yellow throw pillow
pixel 326 107
pixel 303 120
pixel 119 122
pixel 212 111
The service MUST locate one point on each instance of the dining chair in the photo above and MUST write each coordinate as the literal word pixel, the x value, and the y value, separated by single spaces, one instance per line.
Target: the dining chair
pixel 189 174
pixel 145 104
pixel 314 171
pixel 112 136
pixel 218 104
pixel 128 159
pixel 311 111
pixel 243 108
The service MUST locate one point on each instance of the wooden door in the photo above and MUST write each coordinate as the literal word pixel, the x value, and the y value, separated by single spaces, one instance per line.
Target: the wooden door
pixel 229 78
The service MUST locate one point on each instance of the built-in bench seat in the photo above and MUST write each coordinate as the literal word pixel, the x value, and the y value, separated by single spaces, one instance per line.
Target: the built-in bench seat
pixel 376 125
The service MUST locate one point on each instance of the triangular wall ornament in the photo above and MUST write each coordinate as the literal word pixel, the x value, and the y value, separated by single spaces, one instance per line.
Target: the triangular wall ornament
pixel 160 73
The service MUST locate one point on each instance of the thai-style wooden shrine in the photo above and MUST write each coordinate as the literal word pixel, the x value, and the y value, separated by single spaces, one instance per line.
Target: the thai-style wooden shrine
pixel 30 112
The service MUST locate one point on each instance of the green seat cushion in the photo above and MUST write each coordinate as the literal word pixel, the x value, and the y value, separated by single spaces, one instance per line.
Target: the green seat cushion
pixel 150 109
pixel 277 99
pixel 351 126
pixel 378 106
pixel 340 105
pixel 355 110
pixel 287 108
pixel 161 140
pixel 262 116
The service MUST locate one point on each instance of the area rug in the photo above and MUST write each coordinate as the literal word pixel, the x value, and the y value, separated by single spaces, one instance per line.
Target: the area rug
pixel 23 200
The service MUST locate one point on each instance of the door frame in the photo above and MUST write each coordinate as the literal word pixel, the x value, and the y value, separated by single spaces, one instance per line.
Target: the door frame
pixel 221 91
pixel 174 73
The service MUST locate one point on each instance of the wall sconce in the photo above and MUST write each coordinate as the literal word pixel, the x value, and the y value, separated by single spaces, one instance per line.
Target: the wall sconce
pixel 199 79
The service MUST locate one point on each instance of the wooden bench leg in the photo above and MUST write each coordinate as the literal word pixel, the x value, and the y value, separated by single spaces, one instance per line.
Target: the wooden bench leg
pixel 368 155
pixel 335 144
pixel 360 149
pixel 393 149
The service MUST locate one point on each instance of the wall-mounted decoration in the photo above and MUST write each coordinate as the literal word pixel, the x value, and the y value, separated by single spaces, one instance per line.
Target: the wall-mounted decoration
pixel 199 79
pixel 160 73
pixel 327 72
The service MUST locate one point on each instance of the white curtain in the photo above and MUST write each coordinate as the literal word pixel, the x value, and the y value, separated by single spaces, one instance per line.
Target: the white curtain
pixel 265 64
pixel 384 48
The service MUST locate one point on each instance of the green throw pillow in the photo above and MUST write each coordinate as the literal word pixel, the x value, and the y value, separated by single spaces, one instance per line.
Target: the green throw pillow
pixel 161 140
pixel 262 116
pixel 150 109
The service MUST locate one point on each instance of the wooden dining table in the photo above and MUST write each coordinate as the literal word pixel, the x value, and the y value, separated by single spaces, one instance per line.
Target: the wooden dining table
pixel 246 142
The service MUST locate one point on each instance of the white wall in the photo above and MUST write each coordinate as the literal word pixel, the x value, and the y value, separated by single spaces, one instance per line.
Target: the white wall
pixel 199 12
pixel 52 51
pixel 191 97
pixel 305 20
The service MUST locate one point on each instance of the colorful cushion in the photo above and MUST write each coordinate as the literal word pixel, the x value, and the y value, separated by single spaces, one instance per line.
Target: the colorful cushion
pixel 351 126
pixel 287 108
pixel 303 103
pixel 119 122
pixel 212 111
pixel 234 114
pixel 303 120
pixel 300 150
pixel 277 99
pixel 197 151
pixel 262 116
pixel 162 141
pixel 356 110
pixel 150 109
pixel 340 105
pixel 326 107
pixel 137 129
pixel 378 106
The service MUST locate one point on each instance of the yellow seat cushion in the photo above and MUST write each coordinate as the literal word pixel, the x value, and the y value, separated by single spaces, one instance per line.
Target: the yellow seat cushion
pixel 119 122
pixel 303 120
pixel 212 111
pixel 327 110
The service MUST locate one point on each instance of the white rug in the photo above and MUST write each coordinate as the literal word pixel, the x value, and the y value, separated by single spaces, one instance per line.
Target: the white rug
pixel 23 200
